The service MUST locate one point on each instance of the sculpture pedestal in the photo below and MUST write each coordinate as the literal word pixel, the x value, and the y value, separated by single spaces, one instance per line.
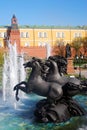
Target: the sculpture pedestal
pixel 58 112
pixel 70 67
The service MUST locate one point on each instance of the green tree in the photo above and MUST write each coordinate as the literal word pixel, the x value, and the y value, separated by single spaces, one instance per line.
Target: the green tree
pixel 1 58
pixel 76 44
pixel 84 42
pixel 59 48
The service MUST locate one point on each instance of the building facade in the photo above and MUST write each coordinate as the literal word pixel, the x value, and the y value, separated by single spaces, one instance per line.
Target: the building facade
pixel 30 38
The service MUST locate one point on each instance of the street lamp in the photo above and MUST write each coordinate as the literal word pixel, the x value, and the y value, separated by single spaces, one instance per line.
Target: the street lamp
pixel 79 59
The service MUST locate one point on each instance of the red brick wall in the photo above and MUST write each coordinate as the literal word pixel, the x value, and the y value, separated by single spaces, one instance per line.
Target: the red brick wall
pixel 41 51
pixel 34 51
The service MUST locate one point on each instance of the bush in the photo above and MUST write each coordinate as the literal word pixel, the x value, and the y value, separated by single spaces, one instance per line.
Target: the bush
pixel 1 58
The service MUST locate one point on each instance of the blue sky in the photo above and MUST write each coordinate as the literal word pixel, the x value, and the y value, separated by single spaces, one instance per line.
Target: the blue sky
pixel 44 12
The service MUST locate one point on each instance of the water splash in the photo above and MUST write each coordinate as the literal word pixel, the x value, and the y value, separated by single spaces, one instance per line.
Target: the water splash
pixel 48 50
pixel 13 72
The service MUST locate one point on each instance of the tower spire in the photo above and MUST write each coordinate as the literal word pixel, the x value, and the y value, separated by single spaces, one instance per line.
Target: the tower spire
pixel 14 24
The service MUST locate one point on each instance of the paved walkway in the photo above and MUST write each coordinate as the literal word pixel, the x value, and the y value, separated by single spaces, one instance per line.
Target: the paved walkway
pixel 83 72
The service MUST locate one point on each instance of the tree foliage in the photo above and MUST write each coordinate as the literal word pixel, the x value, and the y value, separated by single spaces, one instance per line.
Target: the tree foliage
pixel 59 48
pixel 1 58
pixel 84 42
pixel 76 44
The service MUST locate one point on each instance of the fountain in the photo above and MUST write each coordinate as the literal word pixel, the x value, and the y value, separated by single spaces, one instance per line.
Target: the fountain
pixel 58 91
pixel 12 73
pixel 23 118
pixel 48 50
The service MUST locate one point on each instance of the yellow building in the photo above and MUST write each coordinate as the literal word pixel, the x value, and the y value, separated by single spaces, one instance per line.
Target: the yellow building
pixel 41 37
pixel 38 36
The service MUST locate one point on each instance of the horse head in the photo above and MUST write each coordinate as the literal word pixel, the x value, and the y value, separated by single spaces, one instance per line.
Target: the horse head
pixel 31 63
pixel 34 64
pixel 44 67
pixel 51 64
pixel 61 63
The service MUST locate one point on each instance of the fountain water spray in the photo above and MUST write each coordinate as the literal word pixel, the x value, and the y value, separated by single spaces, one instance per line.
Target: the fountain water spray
pixel 13 72
pixel 48 50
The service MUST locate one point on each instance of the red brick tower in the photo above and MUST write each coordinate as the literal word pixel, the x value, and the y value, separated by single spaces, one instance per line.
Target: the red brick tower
pixel 14 33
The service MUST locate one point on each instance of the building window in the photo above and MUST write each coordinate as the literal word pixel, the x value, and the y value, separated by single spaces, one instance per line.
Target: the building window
pixel 42 34
pixel 42 44
pixel 77 35
pixel 58 35
pixel 39 34
pixel 80 35
pixel 39 43
pixel 63 35
pixel 0 44
pixel 27 44
pixel 27 34
pixel 22 34
pixel 2 34
pixel 5 34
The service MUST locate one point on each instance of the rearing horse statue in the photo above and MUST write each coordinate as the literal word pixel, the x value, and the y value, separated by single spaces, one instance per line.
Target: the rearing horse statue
pixel 56 90
pixel 36 84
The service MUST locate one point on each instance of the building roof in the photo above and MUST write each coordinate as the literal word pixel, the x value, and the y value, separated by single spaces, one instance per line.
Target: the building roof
pixel 46 27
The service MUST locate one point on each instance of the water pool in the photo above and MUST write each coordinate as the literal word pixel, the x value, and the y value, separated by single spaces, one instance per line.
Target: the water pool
pixel 21 117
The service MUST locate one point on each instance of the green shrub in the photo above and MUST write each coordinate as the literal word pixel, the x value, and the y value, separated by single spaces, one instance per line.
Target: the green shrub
pixel 1 58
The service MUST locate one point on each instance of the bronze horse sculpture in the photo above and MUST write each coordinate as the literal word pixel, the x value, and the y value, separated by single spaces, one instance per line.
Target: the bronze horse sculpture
pixel 53 75
pixel 70 87
pixel 38 85
pixel 58 105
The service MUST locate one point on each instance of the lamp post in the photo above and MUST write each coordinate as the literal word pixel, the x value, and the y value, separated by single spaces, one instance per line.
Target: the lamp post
pixel 79 59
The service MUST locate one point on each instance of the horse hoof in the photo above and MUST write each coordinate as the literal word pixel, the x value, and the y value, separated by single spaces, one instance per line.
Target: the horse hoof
pixel 17 98
pixel 15 88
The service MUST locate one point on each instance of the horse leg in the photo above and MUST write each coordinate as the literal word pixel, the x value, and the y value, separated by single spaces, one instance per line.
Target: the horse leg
pixel 23 88
pixel 17 98
pixel 23 82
